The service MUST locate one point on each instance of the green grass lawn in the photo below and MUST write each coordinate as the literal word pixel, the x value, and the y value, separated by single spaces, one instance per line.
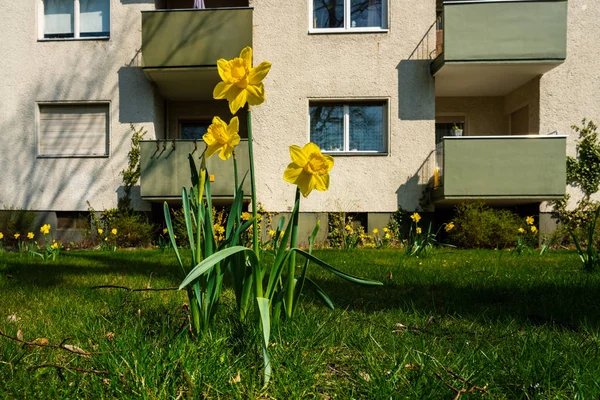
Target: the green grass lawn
pixel 515 327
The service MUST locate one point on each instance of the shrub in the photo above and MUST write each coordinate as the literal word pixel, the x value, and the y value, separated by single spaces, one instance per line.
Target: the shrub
pixel 478 226
pixel 133 228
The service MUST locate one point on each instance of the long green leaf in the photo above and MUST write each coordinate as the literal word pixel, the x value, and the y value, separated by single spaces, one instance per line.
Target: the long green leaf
pixel 263 308
pixel 341 274
pixel 321 294
pixel 169 224
pixel 209 262
pixel 187 215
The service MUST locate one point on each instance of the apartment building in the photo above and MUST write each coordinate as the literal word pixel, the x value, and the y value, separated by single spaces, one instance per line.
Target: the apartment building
pixel 379 84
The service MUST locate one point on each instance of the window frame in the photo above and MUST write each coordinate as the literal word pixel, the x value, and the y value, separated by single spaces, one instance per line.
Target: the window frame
pixel 76 24
pixel 346 103
pixel 38 132
pixel 347 14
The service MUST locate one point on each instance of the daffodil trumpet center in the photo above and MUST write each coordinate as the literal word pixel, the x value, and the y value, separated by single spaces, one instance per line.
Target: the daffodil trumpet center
pixel 316 165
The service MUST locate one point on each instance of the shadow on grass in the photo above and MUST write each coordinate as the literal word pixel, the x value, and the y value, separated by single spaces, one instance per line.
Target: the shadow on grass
pixel 27 271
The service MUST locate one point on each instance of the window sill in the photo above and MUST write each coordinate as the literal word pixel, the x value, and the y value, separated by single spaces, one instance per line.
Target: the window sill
pixel 355 153
pixel 101 38
pixel 326 31
pixel 41 156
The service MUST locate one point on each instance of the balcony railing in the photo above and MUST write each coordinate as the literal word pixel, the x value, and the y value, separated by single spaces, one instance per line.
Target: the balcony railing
pixel 165 169
pixel 194 38
pixel 501 167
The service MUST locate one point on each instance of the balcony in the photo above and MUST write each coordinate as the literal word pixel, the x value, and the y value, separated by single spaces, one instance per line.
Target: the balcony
pixel 165 169
pixel 180 48
pixel 489 48
pixel 500 169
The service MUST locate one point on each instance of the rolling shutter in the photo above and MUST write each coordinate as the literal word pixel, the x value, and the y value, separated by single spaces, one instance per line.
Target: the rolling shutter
pixel 73 130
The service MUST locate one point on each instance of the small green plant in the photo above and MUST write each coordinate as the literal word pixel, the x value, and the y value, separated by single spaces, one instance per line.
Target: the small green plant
pixel 590 258
pixel 527 237
pixel 131 174
pixel 50 249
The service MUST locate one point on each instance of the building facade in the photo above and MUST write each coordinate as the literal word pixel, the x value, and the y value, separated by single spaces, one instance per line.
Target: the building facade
pixel 382 85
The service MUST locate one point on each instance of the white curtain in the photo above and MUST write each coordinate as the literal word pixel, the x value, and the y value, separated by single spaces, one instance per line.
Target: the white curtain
pixel 94 16
pixel 199 4
pixel 58 17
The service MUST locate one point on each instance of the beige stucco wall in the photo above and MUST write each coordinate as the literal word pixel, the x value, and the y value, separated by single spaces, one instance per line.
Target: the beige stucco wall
pixel 526 95
pixel 484 115
pixel 70 70
pixel 569 92
pixel 344 66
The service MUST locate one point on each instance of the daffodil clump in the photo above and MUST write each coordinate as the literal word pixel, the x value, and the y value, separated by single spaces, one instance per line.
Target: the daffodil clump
pixel 527 236
pixel 421 243
pixel 108 241
pixel 268 286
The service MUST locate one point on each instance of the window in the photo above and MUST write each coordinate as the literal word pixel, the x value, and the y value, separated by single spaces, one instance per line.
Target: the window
pixel 349 127
pixel 73 130
pixel 348 15
pixel 193 129
pixel 74 19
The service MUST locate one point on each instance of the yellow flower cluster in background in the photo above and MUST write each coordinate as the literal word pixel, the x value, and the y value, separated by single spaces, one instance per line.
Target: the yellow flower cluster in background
pixel 415 217
pixel 30 235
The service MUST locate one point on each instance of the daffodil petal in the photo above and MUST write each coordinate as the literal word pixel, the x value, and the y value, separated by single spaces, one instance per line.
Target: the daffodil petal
pixel 305 183
pixel 224 69
pixel 298 156
pixel 210 150
pixel 234 126
pixel 321 182
pixel 329 160
pixel 209 139
pixel 246 55
pixel 225 152
pixel 220 91
pixel 256 94
pixel 292 172
pixel 238 101
pixel 310 148
pixel 234 140
pixel 259 73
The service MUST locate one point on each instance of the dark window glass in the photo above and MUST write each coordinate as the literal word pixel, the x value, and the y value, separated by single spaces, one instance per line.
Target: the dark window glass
pixel 366 127
pixel 328 13
pixel 194 130
pixel 365 13
pixel 327 127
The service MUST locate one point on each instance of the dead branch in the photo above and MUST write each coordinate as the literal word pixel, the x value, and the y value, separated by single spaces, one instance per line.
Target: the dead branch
pixel 61 346
pixel 134 289
pixel 61 367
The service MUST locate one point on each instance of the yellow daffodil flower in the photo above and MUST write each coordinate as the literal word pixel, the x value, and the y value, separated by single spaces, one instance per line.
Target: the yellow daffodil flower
pixel 165 231
pixel 529 220
pixel 54 246
pixel 418 231
pixel 449 226
pixel 385 229
pixel 521 230
pixel 30 235
pixel 387 236
pixel 221 137
pixel 309 168
pixel 114 231
pixel 533 229
pixel 17 235
pixel 281 234
pixel 375 231
pixel 1 235
pixel 100 231
pixel 272 232
pixel 246 216
pixel 45 229
pixel 415 217
pixel 241 82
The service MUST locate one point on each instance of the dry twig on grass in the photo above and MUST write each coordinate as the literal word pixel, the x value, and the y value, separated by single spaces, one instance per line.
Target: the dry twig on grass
pixel 148 289
pixel 43 342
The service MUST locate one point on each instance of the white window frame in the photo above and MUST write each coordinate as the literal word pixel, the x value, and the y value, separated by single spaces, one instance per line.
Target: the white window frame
pixel 347 15
pixel 72 103
pixel 76 24
pixel 346 103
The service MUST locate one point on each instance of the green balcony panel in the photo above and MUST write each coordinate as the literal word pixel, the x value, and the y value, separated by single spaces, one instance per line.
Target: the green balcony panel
pixel 505 31
pixel 165 169
pixel 514 168
pixel 194 38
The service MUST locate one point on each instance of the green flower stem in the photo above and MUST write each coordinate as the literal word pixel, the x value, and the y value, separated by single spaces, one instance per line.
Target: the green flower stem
pixel 253 190
pixel 292 263
pixel 235 171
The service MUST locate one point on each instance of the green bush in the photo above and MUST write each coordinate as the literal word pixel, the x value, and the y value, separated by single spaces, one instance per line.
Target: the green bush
pixel 478 226
pixel 133 228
